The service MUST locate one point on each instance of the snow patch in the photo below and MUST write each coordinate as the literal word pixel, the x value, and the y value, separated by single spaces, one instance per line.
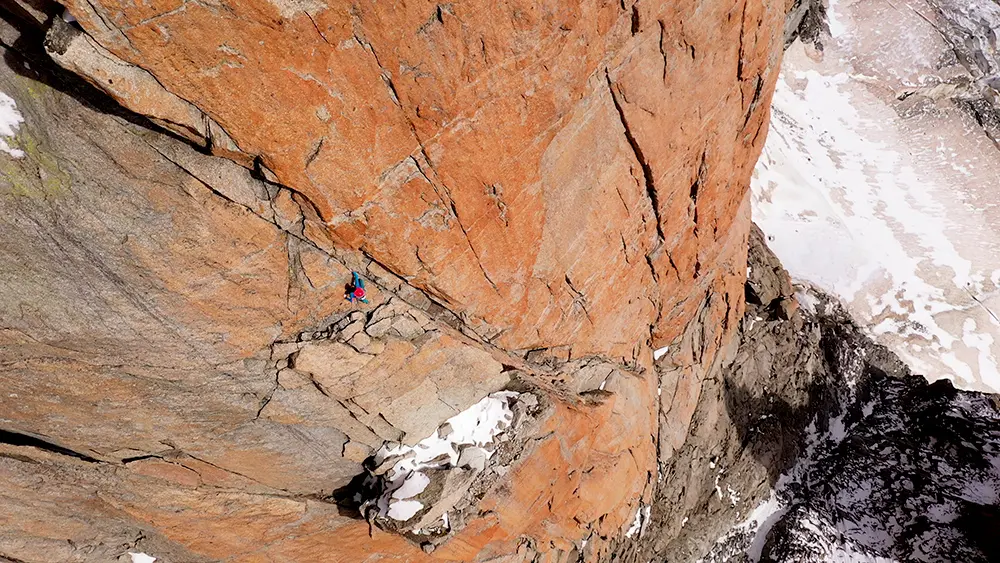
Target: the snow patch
pixel 845 208
pixel 734 495
pixel 836 20
pixel 475 427
pixel 660 352
pixel 808 300
pixel 10 122
pixel 638 524
pixel 141 558
pixel 403 510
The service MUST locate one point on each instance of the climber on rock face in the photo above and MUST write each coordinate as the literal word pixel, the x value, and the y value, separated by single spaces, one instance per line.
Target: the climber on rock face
pixel 356 289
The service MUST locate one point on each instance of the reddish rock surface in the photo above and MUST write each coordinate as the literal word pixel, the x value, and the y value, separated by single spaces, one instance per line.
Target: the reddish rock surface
pixel 510 157
pixel 540 192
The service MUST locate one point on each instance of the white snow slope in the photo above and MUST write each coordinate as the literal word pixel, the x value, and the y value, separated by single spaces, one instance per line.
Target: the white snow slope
pixel 892 205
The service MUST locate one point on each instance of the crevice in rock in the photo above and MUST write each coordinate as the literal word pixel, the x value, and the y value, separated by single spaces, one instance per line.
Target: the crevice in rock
pixel 315 152
pixel 647 172
pixel 28 49
pixel 739 52
pixel 696 186
pixel 472 247
pixel 128 460
pixel 230 471
pixel 15 438
pixel 663 53
pixel 267 398
pixel 754 101
pixel 313 21
pixel 108 25
pixel 578 298
pixel 387 77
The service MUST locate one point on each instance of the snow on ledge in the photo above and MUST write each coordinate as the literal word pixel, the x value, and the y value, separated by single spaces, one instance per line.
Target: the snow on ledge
pixel 467 437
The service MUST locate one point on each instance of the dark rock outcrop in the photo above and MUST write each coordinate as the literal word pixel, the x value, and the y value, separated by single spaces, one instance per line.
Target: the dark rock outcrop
pixel 816 443
pixel 894 468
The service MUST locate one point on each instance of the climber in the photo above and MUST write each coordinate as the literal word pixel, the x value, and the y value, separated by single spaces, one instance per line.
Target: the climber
pixel 356 289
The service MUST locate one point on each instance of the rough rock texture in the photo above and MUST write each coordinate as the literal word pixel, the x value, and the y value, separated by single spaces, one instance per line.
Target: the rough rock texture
pixel 506 157
pixel 806 21
pixel 894 469
pixel 968 26
pixel 538 194
pixel 817 444
pixel 747 419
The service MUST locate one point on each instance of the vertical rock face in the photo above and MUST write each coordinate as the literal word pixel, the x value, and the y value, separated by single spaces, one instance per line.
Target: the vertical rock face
pixel 538 193
pixel 507 157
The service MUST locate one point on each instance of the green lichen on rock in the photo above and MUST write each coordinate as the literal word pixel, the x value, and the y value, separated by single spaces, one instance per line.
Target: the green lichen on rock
pixel 36 175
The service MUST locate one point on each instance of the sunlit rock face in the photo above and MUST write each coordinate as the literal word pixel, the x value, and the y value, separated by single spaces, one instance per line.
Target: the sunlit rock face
pixel 538 195
pixel 510 158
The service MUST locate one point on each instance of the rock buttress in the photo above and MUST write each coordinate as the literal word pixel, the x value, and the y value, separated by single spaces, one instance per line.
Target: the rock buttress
pixel 511 158
pixel 539 193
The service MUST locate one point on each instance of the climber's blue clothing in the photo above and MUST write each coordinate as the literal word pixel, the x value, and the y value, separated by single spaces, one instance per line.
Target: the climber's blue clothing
pixel 356 289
